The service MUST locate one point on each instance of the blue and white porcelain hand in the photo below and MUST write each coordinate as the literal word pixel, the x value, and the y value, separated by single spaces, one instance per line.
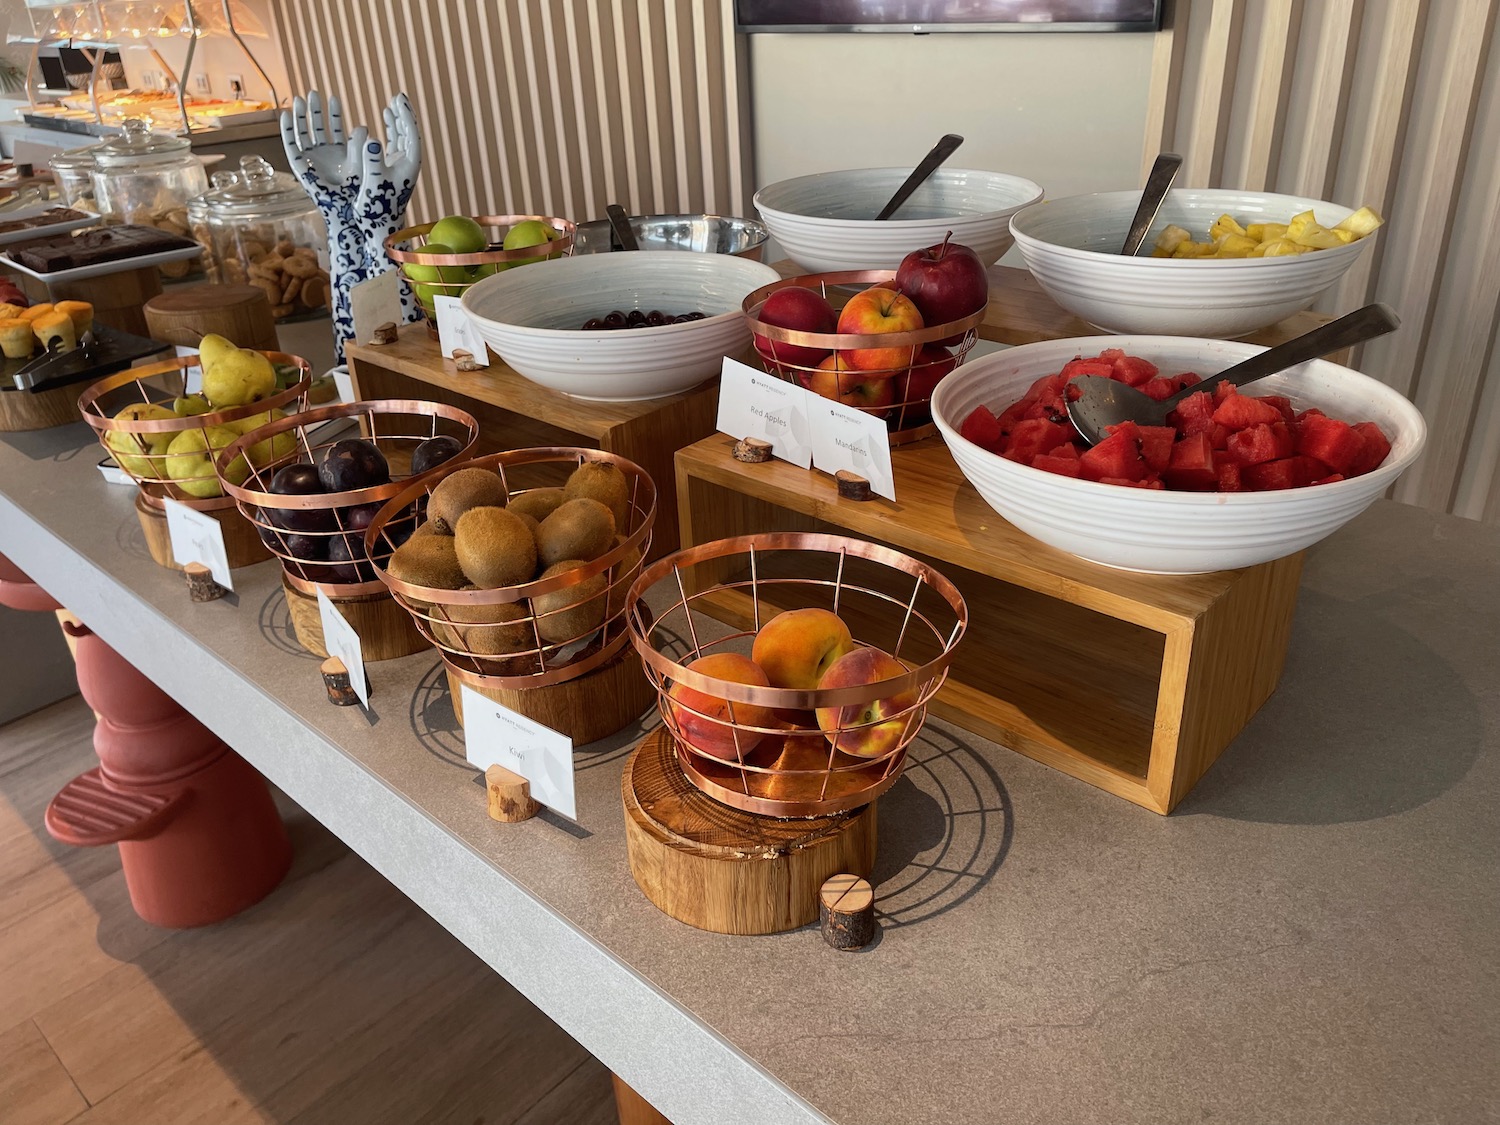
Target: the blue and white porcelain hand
pixel 361 187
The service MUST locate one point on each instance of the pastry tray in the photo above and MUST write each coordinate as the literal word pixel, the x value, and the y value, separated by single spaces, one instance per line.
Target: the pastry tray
pixel 10 237
pixel 102 269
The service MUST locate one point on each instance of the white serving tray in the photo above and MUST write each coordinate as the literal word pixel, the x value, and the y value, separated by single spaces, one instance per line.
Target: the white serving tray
pixel 83 273
pixel 9 237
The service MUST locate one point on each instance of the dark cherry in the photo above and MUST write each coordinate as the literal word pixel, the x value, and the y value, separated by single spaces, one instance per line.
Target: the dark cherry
pixel 615 319
pixel 656 318
pixel 594 325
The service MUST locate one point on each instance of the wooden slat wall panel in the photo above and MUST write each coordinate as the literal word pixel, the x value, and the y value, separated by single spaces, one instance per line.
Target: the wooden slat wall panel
pixel 1394 103
pixel 551 106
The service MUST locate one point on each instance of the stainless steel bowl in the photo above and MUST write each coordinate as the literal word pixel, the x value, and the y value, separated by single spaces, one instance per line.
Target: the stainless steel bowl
pixel 703 234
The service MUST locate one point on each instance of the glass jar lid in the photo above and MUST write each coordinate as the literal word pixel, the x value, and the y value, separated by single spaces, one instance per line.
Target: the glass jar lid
pixel 256 190
pixel 74 159
pixel 137 144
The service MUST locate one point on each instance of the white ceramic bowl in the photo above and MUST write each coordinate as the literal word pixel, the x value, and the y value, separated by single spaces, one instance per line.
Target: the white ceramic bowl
pixel 826 222
pixel 1172 532
pixel 1072 247
pixel 532 318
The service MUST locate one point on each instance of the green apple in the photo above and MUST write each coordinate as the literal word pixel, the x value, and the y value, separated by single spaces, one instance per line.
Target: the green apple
pixel 460 232
pixel 531 232
pixel 140 455
pixel 417 271
pixel 188 406
pixel 190 461
pixel 478 273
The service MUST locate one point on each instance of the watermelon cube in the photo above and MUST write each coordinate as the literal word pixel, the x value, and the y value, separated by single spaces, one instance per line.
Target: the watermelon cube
pixel 1332 442
pixel 1070 451
pixel 1189 379
pixel 1332 478
pixel 1218 436
pixel 1156 445
pixel 1377 449
pixel 1224 391
pixel 1258 444
pixel 1194 414
pixel 982 428
pixel 1289 472
pixel 1230 477
pixel 1192 464
pixel 1134 370
pixel 1112 354
pixel 1147 482
pixel 1283 404
pixel 1075 367
pixel 1032 438
pixel 1116 456
pixel 1047 387
pixel 1062 466
pixel 1158 388
pixel 1237 412
pixel 1010 416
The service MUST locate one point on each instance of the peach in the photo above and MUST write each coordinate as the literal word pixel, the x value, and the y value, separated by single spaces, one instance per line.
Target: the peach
pixel 878 310
pixel 703 720
pixel 797 647
pixel 857 728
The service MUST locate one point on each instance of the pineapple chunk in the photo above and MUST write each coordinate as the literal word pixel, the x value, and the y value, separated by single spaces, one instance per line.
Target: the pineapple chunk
pixel 1266 232
pixel 1234 246
pixel 1192 249
pixel 1169 239
pixel 1345 236
pixel 1362 222
pixel 1279 248
pixel 1224 224
pixel 1318 238
pixel 1300 224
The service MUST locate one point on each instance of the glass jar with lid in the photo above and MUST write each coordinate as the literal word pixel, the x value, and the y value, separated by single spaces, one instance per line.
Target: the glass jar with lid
pixel 146 179
pixel 73 171
pixel 260 227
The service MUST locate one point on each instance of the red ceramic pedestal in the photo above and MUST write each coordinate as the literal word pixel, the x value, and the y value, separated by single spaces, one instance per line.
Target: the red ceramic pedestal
pixel 199 835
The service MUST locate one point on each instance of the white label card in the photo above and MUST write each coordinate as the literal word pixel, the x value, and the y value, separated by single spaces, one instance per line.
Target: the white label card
pixel 340 639
pixel 753 404
pixel 496 736
pixel 456 330
pixel 198 538
pixel 375 302
pixel 846 438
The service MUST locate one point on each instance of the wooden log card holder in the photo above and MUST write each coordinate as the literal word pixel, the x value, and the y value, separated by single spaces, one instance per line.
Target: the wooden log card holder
pixel 201 585
pixel 341 691
pixel 508 795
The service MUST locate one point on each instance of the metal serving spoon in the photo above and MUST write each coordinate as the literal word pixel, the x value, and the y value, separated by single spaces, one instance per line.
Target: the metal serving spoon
pixel 1158 183
pixel 619 222
pixel 940 152
pixel 1106 402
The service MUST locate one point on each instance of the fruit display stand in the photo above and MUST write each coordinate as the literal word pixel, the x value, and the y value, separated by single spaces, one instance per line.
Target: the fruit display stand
pixel 320 522
pixel 750 796
pixel 514 412
pixel 532 646
pixel 1132 682
pixel 139 445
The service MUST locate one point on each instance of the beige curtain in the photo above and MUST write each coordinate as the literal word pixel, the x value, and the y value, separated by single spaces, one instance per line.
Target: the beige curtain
pixel 1393 103
pixel 556 107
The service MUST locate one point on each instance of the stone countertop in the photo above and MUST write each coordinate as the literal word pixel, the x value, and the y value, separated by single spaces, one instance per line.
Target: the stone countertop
pixel 1311 937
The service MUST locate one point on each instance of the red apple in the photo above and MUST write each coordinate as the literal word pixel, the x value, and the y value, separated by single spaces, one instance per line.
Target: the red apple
pixel 835 379
pixel 876 311
pixel 797 646
pixel 946 282
pixel 867 730
pixel 703 720
pixel 915 386
pixel 803 310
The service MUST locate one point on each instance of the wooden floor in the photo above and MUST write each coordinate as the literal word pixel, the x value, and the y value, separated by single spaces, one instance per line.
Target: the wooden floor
pixel 335 1000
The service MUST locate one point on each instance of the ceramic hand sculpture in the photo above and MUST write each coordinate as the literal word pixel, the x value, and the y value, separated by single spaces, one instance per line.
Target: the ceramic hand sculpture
pixel 362 188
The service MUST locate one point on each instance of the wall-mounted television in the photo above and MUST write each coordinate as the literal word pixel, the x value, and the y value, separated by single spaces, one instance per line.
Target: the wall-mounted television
pixel 923 17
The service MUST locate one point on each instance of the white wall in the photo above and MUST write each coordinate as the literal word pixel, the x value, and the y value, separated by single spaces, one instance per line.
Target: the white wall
pixel 1065 110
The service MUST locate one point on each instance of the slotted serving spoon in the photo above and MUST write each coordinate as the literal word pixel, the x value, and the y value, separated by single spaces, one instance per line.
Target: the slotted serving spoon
pixel 1105 402
pixel 1158 183
pixel 940 152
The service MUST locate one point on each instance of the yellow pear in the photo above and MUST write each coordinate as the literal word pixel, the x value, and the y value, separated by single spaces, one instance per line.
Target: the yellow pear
pixel 139 454
pixel 212 348
pixel 188 406
pixel 272 449
pixel 190 461
pixel 237 377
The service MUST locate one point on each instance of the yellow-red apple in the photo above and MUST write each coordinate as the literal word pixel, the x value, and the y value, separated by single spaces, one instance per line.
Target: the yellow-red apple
pixel 857 729
pixel 835 379
pixel 704 720
pixel 876 311
pixel 795 648
pixel 915 386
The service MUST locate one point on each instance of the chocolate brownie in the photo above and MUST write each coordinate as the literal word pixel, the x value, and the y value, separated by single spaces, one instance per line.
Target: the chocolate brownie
pixel 92 247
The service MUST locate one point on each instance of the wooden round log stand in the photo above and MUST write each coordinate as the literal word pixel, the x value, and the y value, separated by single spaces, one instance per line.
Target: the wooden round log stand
pixel 508 796
pixel 846 912
pixel 336 680
pixel 589 708
pixel 22 410
pixel 201 585
pixel 239 313
pixel 386 631
pixel 724 870
pixel 242 545
pixel 119 298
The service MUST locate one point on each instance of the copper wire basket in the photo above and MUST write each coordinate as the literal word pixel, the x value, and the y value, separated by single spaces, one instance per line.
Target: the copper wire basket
pixel 142 454
pixel 900 394
pixel 539 649
pixel 459 271
pixel 781 751
pixel 300 530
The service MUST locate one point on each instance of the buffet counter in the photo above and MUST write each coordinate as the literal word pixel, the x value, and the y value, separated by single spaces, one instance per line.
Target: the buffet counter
pixel 1309 937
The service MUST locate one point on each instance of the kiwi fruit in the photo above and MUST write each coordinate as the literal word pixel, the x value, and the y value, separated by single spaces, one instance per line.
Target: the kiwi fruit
pixel 580 529
pixel 428 528
pixel 601 481
pixel 427 560
pixel 538 503
pixel 485 630
pixel 573 612
pixel 495 547
pixel 456 493
pixel 530 522
pixel 623 576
